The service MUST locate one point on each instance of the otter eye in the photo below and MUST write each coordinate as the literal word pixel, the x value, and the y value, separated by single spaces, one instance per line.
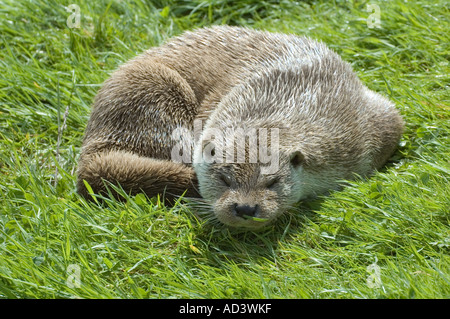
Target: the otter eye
pixel 226 180
pixel 272 182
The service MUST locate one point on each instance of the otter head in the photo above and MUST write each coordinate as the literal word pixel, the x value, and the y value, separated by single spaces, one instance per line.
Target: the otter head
pixel 245 192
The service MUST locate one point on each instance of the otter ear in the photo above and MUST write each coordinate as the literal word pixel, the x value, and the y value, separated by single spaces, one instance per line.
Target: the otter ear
pixel 297 159
pixel 209 151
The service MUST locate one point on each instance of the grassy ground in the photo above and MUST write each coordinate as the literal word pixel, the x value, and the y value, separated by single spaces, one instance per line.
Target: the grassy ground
pixel 386 237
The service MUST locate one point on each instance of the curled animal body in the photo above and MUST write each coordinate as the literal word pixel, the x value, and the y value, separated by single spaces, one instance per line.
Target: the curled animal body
pixel 269 119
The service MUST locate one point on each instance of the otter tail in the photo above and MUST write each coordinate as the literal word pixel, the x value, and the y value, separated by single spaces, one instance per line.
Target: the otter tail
pixel 135 174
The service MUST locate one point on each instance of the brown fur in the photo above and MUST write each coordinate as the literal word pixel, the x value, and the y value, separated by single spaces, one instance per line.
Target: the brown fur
pixel 236 77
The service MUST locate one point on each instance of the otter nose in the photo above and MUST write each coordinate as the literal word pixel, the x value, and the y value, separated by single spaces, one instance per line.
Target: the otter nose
pixel 245 210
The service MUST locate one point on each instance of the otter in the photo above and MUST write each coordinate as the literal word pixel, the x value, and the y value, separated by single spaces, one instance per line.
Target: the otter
pixel 282 118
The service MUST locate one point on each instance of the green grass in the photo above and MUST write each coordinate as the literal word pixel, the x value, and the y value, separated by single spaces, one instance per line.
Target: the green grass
pixel 398 219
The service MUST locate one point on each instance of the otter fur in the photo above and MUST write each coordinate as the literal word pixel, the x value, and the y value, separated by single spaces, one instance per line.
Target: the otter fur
pixel 329 126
